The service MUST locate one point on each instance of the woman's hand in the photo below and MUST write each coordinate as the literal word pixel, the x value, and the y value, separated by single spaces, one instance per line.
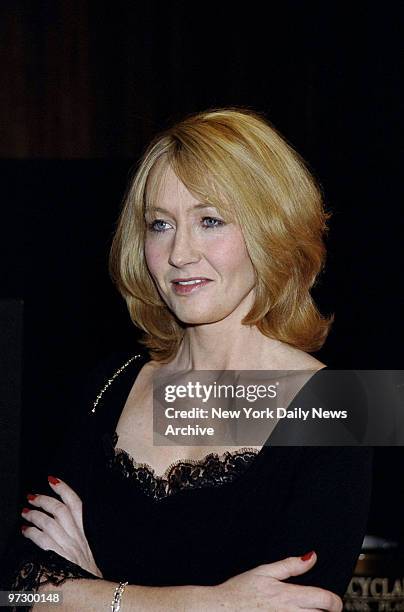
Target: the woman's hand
pixel 62 532
pixel 262 588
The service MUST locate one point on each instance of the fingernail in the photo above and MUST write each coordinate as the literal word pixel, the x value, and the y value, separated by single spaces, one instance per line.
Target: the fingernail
pixel 31 496
pixel 53 480
pixel 25 510
pixel 307 556
pixel 24 527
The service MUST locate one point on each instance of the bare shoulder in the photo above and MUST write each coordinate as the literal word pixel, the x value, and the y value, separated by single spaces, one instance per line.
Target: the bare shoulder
pixel 148 372
pixel 305 361
pixel 150 367
pixel 287 357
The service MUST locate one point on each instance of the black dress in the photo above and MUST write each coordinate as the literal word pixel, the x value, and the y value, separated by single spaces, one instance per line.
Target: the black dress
pixel 202 521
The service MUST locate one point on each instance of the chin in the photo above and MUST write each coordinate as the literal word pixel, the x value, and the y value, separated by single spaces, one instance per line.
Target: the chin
pixel 200 318
pixel 194 319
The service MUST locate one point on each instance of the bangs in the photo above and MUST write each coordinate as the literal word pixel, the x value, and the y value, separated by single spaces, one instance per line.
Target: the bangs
pixel 154 181
pixel 194 173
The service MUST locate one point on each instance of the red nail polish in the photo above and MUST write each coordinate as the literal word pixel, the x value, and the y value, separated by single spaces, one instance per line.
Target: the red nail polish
pixel 24 527
pixel 307 556
pixel 30 496
pixel 53 480
pixel 25 510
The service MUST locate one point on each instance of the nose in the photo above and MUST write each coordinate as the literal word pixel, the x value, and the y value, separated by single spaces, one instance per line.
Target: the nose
pixel 183 249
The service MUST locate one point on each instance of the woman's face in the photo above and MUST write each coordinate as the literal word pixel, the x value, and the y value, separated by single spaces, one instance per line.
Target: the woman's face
pixel 186 240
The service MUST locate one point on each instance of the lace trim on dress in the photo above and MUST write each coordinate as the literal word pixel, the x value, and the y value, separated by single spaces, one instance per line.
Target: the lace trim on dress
pixel 34 573
pixel 213 470
pixel 45 567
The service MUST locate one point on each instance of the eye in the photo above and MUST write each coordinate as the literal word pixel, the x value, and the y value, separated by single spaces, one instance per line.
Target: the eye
pixel 216 222
pixel 155 226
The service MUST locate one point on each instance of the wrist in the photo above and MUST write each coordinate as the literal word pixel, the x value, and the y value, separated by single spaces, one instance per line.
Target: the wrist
pixel 202 598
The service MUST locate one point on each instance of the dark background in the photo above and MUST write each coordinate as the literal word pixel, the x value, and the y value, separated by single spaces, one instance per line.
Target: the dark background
pixel 85 87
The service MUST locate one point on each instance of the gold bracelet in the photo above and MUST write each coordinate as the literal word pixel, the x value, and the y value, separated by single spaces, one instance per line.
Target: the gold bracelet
pixel 116 601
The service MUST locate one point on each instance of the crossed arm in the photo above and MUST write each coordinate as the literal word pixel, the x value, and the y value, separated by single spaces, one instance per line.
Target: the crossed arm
pixel 263 586
pixel 63 533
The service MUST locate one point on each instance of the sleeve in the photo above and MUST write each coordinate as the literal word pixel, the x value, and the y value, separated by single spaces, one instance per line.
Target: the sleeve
pixel 25 566
pixel 327 512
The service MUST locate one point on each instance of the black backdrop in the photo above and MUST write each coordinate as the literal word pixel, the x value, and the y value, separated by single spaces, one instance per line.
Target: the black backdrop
pixel 89 83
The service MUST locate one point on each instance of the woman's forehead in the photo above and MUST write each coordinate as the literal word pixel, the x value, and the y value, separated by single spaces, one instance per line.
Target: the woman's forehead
pixel 164 189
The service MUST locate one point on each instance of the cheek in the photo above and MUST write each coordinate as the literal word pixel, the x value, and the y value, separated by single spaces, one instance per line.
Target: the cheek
pixel 154 257
pixel 232 256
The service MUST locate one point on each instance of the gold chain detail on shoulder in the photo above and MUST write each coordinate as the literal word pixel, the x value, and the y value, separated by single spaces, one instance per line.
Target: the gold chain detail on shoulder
pixel 111 380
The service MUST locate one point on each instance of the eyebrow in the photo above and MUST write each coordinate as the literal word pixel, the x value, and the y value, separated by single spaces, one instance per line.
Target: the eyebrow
pixel 160 209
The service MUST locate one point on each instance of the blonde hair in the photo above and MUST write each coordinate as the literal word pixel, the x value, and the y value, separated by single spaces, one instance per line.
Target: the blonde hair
pixel 234 159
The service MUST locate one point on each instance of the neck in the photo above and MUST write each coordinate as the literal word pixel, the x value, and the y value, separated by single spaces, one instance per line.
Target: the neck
pixel 223 345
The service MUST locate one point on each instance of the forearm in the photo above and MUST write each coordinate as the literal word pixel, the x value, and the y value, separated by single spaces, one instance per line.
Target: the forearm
pixel 88 595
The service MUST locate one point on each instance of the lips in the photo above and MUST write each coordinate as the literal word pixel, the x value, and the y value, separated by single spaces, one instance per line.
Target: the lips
pixel 183 286
pixel 191 278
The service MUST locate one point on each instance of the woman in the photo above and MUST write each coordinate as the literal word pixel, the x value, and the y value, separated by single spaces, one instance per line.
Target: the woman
pixel 218 245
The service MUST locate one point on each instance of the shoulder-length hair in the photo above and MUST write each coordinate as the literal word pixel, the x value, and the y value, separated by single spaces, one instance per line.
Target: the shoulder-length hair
pixel 235 160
